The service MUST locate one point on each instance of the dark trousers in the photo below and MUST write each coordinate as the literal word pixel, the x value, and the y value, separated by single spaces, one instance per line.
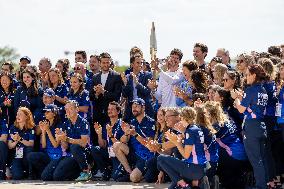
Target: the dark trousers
pixel 37 163
pixel 277 148
pixel 20 166
pixel 3 158
pixel 102 161
pixel 255 142
pixel 152 171
pixel 47 173
pixel 178 169
pixel 231 171
pixel 66 169
pixel 80 155
pixel 270 122
pixel 101 157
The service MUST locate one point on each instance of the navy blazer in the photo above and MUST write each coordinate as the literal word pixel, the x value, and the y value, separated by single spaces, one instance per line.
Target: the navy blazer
pixel 112 88
pixel 143 91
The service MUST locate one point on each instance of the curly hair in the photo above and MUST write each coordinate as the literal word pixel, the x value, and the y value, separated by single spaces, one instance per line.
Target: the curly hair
pixel 233 75
pixel 30 120
pixel 216 112
pixel 199 80
pixel 190 65
pixel 177 52
pixel 188 114
pixel 268 67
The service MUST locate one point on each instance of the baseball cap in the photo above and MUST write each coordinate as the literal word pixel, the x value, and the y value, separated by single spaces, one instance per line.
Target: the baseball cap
pixel 26 58
pixel 139 101
pixel 49 92
pixel 50 108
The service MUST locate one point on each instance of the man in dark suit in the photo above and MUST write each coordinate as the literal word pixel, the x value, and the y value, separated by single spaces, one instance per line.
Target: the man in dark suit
pixel 135 86
pixel 107 86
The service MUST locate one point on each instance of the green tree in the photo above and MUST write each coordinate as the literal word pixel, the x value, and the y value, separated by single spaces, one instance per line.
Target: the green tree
pixel 8 54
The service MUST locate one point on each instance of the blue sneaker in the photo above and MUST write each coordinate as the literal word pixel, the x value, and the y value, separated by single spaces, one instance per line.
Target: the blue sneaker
pixel 84 176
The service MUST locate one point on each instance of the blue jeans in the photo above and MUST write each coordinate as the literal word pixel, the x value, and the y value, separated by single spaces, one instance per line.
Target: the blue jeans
pixel 37 162
pixel 20 166
pixel 66 169
pixel 79 154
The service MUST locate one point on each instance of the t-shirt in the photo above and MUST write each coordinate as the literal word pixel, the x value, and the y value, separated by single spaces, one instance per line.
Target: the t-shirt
pixel 116 131
pixel 53 153
pixel 145 129
pixel 255 100
pixel 81 127
pixel 28 134
pixel 227 138
pixel 82 99
pixel 194 136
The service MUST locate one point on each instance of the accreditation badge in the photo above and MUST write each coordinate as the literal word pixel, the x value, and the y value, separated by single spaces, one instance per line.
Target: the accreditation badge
pixel 110 152
pixel 19 152
pixel 278 110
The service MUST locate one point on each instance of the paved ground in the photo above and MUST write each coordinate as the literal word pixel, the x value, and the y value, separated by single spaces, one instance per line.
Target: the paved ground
pixel 74 185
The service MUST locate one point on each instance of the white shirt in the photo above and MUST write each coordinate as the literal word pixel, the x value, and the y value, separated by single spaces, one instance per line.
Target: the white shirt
pixel 104 78
pixel 165 93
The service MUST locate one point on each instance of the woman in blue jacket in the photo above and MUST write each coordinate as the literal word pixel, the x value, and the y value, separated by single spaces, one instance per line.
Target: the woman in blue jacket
pixel 29 94
pixel 253 103
pixel 7 98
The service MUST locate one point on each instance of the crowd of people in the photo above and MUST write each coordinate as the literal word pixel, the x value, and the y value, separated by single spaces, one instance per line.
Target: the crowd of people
pixel 163 121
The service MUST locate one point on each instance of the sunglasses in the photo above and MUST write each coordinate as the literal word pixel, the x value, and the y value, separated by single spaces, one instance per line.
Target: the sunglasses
pixel 77 68
pixel 240 61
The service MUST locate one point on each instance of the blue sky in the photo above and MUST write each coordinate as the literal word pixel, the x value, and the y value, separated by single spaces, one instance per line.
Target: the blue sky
pixel 47 28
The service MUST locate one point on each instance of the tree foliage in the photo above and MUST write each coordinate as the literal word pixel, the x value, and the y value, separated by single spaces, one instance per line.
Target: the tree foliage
pixel 8 54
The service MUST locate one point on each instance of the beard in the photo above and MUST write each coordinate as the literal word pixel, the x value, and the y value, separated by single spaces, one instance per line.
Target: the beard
pixel 136 113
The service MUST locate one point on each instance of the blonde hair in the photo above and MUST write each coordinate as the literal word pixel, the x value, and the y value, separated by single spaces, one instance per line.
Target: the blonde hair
pixel 216 112
pixel 203 121
pixel 220 70
pixel 30 120
pixel 188 114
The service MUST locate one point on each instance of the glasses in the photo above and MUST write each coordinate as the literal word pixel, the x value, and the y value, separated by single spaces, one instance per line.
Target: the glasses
pixel 240 61
pixel 77 68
